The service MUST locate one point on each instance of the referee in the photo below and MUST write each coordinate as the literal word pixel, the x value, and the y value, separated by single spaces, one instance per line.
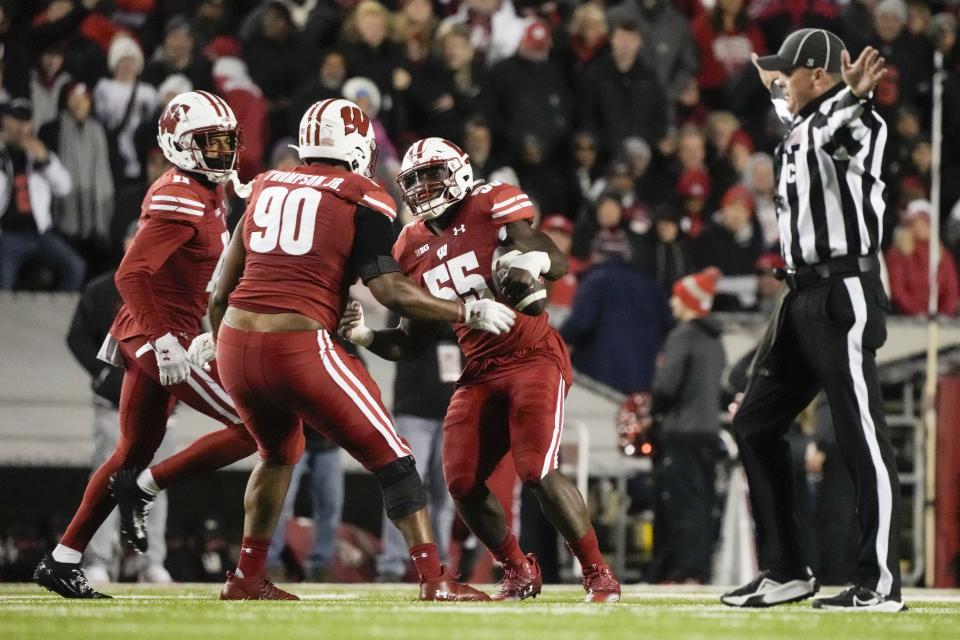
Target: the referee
pixel 826 329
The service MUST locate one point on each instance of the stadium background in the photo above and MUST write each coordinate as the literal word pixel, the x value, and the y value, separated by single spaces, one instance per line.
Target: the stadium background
pixel 532 92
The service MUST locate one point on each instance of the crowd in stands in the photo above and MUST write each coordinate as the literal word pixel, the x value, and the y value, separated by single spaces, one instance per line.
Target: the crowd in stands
pixel 638 127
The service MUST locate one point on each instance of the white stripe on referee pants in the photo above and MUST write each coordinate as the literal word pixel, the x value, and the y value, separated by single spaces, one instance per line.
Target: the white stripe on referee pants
pixel 213 385
pixel 331 366
pixel 551 460
pixel 884 496
pixel 195 385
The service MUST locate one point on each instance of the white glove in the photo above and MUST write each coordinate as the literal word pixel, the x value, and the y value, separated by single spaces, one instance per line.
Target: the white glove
pixel 171 360
pixel 202 350
pixel 534 262
pixel 488 315
pixel 506 260
pixel 353 328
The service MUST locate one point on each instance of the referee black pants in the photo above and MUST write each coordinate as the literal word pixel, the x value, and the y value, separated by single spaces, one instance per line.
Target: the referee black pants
pixel 823 336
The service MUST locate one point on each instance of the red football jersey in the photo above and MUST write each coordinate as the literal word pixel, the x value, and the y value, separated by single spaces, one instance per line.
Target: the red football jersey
pixel 299 230
pixel 166 275
pixel 456 263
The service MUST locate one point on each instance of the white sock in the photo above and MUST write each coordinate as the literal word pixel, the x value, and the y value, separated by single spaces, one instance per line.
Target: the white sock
pixel 66 554
pixel 146 482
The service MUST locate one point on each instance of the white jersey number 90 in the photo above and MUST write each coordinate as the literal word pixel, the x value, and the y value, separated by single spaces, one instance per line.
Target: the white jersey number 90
pixel 287 218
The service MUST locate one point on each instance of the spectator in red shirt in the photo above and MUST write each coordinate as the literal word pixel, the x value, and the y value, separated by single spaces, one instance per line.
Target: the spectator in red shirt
pixel 908 262
pixel 725 39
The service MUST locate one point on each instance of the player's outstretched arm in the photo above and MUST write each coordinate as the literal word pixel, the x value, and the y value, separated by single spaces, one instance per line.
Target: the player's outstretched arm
pixel 405 342
pixel 230 275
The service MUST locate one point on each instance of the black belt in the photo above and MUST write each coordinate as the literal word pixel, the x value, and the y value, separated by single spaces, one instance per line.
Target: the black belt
pixel 811 274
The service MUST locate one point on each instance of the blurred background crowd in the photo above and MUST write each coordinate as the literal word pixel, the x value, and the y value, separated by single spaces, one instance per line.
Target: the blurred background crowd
pixel 638 127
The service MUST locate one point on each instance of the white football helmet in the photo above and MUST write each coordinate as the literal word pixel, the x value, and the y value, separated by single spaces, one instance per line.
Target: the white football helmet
pixel 198 132
pixel 434 174
pixel 337 129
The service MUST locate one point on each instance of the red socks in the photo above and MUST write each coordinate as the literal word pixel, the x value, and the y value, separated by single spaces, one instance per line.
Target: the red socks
pixel 426 560
pixel 587 550
pixel 508 552
pixel 253 557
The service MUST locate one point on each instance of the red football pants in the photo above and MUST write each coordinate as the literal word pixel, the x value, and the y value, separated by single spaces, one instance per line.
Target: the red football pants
pixel 145 406
pixel 278 379
pixel 521 412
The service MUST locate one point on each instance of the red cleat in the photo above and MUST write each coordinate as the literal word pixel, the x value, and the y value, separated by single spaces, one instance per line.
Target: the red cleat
pixel 520 583
pixel 600 584
pixel 445 588
pixel 253 588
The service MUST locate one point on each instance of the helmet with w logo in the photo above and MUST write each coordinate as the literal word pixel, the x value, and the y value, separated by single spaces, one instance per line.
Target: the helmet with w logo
pixel 435 173
pixel 198 132
pixel 337 129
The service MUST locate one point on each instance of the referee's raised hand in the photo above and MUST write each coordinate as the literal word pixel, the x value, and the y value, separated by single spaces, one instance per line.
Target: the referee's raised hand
pixel 766 77
pixel 864 73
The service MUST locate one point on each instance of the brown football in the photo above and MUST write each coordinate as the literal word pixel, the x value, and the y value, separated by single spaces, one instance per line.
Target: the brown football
pixel 533 300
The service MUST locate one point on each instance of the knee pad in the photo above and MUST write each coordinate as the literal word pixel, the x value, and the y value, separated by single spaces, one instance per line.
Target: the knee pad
pixel 401 487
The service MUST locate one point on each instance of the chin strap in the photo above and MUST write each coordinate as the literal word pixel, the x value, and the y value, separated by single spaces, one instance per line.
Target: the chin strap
pixel 243 189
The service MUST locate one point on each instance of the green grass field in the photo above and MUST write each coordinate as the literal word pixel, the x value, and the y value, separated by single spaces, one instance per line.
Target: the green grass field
pixel 390 611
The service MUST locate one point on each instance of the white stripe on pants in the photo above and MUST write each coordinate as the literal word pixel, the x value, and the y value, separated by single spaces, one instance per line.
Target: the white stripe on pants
pixel 884 497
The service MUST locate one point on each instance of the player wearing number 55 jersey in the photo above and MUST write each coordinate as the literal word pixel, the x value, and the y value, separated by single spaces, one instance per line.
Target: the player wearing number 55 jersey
pixel 163 281
pixel 306 236
pixel 511 393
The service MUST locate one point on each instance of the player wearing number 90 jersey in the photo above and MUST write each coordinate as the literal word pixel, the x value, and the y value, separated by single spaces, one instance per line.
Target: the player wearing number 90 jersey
pixel 306 236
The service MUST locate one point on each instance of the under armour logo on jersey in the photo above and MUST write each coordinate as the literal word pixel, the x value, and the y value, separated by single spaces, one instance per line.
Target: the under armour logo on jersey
pixel 461 229
pixel 442 252
pixel 422 250
pixel 246 549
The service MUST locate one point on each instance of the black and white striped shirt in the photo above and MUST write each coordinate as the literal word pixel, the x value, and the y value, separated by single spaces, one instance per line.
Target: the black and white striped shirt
pixel 830 196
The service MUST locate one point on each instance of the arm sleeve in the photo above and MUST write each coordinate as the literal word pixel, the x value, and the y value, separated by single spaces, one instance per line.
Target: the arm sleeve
pixel 510 204
pixel 670 372
pixel 155 242
pixel 57 175
pixel 82 339
pixel 780 104
pixel 843 108
pixel 371 254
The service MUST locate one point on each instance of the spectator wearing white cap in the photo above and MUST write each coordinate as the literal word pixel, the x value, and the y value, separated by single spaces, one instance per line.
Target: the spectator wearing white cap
pixel 908 261
pixel 909 62
pixel 122 102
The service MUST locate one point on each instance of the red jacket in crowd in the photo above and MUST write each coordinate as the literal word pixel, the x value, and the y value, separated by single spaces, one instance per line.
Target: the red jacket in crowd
pixel 909 282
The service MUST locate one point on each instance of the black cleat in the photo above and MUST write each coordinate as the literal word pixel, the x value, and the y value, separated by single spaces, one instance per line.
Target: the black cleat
pixel 768 590
pixel 134 505
pixel 860 599
pixel 65 578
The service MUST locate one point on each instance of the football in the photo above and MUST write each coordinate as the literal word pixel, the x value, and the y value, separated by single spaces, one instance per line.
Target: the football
pixel 532 301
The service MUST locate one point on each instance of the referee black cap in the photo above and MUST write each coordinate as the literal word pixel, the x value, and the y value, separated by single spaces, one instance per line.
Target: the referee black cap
pixel 808 48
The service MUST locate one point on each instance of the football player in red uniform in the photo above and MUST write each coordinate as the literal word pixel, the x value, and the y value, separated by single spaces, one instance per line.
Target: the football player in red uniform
pixel 164 281
pixel 306 236
pixel 511 393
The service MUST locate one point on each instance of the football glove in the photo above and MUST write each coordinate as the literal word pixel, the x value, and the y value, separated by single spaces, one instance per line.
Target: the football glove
pixel 171 360
pixel 202 350
pixel 352 326
pixel 535 263
pixel 488 315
